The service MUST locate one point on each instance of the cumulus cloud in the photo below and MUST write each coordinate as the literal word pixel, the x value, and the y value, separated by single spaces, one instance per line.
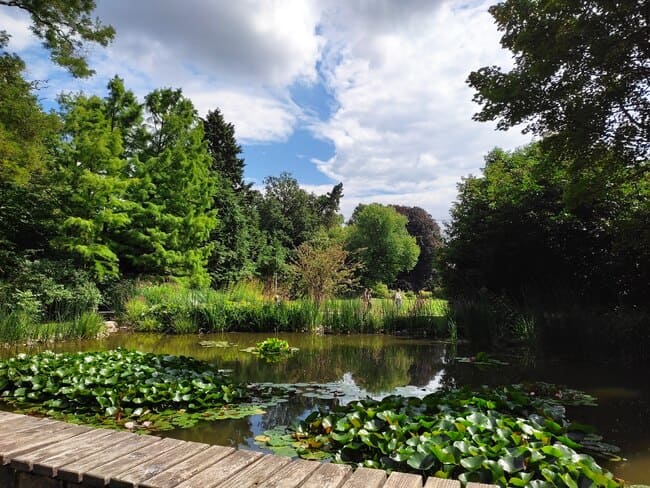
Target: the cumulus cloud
pixel 395 72
pixel 403 131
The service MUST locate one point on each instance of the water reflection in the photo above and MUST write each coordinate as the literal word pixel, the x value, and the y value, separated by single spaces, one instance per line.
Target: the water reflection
pixel 375 365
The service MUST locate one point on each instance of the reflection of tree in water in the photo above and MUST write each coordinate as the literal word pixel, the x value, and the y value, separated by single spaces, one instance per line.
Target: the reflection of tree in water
pixel 286 413
pixel 229 432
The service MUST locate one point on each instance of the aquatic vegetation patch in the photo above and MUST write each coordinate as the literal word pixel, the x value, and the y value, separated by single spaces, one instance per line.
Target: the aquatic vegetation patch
pixel 272 349
pixel 119 387
pixel 510 436
pixel 481 359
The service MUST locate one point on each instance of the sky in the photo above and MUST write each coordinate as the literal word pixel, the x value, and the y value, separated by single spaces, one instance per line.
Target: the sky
pixel 370 93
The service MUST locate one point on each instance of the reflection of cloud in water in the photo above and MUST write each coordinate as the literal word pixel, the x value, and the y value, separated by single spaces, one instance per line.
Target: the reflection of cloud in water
pixel 352 392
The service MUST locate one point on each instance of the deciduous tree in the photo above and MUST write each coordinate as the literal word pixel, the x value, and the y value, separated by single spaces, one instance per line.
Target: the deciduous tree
pixel 580 77
pixel 380 241
pixel 64 26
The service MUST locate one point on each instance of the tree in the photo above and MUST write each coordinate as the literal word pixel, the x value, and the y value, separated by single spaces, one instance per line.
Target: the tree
pixel 321 271
pixel 291 215
pixel 427 234
pixel 174 193
pixel 580 78
pixel 64 26
pixel 93 182
pixel 27 134
pixel 379 239
pixel 236 240
pixel 225 152
pixel 513 233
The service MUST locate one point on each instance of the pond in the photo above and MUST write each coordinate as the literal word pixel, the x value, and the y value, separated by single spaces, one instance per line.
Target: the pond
pixel 357 366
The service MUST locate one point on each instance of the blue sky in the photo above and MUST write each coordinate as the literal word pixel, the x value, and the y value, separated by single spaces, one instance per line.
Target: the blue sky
pixel 370 93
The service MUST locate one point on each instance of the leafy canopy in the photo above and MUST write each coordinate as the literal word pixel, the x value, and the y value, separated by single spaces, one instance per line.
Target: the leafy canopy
pixel 580 77
pixel 381 242
pixel 64 26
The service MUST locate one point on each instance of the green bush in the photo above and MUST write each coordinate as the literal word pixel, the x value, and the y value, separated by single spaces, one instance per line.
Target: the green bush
pixel 380 290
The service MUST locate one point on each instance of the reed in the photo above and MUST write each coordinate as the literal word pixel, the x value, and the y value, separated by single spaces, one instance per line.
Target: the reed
pixel 244 307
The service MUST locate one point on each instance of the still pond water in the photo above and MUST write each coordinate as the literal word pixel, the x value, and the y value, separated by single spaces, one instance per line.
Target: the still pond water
pixel 373 365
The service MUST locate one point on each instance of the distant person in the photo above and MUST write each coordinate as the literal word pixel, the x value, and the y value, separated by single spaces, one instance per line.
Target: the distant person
pixel 398 299
pixel 366 298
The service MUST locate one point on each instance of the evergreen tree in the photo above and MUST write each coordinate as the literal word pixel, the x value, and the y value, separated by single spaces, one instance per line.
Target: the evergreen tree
pixel 174 191
pixel 92 178
pixel 236 239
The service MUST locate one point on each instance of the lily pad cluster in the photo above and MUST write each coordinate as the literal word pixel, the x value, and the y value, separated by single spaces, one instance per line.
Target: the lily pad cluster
pixel 145 390
pixel 272 349
pixel 510 436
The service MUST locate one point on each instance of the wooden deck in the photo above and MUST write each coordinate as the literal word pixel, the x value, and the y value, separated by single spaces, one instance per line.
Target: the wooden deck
pixel 44 453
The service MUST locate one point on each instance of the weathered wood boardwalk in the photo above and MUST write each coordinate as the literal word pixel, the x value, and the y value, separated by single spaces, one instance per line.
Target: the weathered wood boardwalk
pixel 44 453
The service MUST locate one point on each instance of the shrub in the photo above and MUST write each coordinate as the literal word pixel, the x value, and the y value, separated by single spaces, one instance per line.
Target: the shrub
pixel 380 290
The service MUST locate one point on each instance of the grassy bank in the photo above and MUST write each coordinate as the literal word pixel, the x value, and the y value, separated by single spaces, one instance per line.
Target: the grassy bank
pixel 173 309
pixel 20 327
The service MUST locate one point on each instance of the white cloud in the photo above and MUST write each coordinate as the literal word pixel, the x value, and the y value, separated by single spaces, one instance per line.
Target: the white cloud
pixel 396 70
pixel 257 118
pixel 16 23
pixel 403 131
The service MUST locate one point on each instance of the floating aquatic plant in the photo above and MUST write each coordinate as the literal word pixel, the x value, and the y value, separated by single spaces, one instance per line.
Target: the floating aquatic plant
pixel 114 388
pixel 272 349
pixel 510 436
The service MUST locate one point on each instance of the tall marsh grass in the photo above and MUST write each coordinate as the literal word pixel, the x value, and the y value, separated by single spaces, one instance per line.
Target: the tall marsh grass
pixel 18 326
pixel 172 308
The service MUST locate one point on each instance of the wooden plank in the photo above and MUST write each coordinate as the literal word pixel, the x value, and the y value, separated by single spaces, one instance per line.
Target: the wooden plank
pixel 24 424
pixel 145 470
pixel 20 445
pixel 403 480
pixel 328 476
pixel 74 471
pixel 174 475
pixel 366 478
pixel 71 452
pixel 291 475
pixel 223 470
pixel 440 483
pixel 256 473
pixel 102 475
pixel 34 459
pixel 480 485
pixel 8 416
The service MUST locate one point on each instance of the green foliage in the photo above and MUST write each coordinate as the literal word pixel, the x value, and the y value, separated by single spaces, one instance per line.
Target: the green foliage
pixel 175 309
pixel 380 290
pixel 19 325
pixel 379 240
pixel 64 26
pixel 237 239
pixel 58 289
pixel 272 349
pixel 174 189
pixel 513 232
pixel 92 174
pixel 510 436
pixel 322 271
pixel 290 216
pixel 118 386
pixel 579 78
pixel 428 237
pixel 24 128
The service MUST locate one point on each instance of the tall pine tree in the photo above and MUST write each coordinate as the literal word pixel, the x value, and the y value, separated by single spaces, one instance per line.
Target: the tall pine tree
pixel 174 190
